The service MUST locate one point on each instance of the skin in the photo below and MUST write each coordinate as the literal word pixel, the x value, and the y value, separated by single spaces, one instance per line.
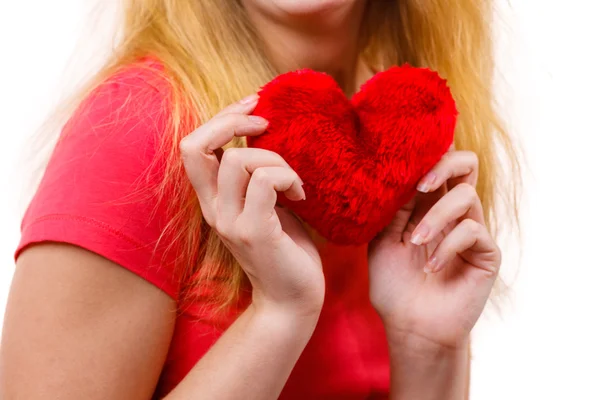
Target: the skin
pixel 97 331
pixel 431 272
pixel 321 35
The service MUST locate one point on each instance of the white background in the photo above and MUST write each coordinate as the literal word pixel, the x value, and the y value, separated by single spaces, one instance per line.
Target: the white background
pixel 546 345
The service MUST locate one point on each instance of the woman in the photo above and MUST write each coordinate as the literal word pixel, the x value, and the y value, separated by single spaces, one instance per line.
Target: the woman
pixel 152 265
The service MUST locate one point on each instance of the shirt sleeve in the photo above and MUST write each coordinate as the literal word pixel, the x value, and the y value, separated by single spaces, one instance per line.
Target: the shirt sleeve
pixel 99 190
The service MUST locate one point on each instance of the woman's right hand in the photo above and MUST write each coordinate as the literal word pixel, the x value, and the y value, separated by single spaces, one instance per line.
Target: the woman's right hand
pixel 238 200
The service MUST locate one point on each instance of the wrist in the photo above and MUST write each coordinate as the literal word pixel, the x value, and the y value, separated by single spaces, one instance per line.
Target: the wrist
pixel 306 306
pixel 425 334
pixel 299 320
pixel 420 345
pixel 425 369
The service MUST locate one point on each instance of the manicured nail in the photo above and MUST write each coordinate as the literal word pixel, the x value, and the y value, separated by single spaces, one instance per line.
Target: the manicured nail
pixel 255 119
pixel 426 183
pixel 303 193
pixel 250 99
pixel 419 235
pixel 431 265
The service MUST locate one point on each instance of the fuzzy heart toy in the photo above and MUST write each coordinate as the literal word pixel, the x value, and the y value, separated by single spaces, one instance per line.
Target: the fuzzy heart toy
pixel 360 159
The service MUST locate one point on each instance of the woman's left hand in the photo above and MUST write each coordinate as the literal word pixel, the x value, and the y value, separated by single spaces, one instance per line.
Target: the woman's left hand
pixel 432 269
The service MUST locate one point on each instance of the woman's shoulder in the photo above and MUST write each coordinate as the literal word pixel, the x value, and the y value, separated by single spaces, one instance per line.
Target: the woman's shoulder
pixel 137 93
pixel 145 76
pixel 100 187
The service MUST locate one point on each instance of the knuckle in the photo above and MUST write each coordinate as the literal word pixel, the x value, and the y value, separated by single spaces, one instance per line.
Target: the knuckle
pixel 185 147
pixel 468 191
pixel 279 157
pixel 499 255
pixel 474 159
pixel 276 157
pixel 471 226
pixel 294 175
pixel 223 228
pixel 232 156
pixel 261 177
pixel 207 217
pixel 209 220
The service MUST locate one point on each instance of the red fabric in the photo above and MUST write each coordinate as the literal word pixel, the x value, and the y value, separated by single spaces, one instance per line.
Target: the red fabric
pixel 97 193
pixel 360 160
pixel 97 189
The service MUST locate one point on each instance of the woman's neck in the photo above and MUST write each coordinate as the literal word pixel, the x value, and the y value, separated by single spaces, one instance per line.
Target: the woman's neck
pixel 327 43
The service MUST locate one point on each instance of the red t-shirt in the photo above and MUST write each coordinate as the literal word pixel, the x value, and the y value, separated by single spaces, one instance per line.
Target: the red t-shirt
pixel 97 193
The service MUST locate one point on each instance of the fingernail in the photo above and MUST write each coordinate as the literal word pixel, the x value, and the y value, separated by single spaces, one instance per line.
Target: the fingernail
pixel 419 235
pixel 426 183
pixel 303 193
pixel 255 119
pixel 250 99
pixel 422 187
pixel 431 265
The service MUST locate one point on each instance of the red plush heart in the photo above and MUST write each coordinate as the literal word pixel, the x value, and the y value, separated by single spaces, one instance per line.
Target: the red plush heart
pixel 360 159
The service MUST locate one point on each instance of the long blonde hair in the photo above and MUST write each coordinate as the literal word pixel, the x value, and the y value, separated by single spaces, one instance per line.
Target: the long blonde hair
pixel 213 57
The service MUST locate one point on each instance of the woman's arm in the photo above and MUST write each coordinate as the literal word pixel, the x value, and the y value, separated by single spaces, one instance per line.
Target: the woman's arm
pixel 78 326
pixel 421 369
pixel 431 274
pixel 253 359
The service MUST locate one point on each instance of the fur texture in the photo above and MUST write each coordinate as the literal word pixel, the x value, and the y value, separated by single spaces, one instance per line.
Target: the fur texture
pixel 360 159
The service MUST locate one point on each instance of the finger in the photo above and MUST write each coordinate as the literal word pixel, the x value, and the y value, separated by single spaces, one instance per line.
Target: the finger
pixel 221 129
pixel 236 167
pixel 457 166
pixel 244 106
pixel 198 153
pixel 471 240
pixel 459 203
pixel 424 203
pixel 264 184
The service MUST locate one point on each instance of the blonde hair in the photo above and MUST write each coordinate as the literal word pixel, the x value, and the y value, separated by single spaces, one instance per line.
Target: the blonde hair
pixel 213 57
